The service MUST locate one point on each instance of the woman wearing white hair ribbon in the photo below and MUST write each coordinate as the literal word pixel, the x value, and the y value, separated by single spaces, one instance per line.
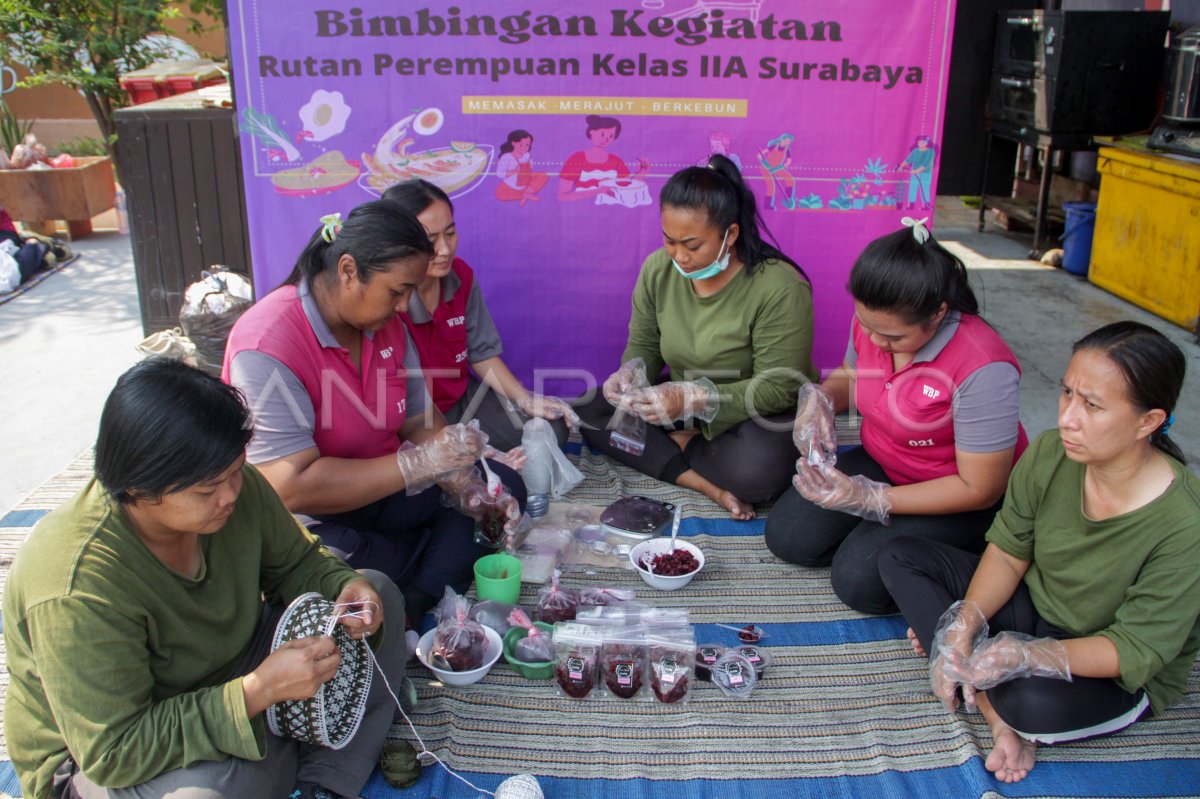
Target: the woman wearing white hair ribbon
pixel 937 391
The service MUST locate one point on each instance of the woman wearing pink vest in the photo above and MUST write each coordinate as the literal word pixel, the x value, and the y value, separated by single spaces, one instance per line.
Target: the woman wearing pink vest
pixel 937 389
pixel 454 334
pixel 343 428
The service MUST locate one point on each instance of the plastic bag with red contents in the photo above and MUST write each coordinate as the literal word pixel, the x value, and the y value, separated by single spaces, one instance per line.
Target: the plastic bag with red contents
pixel 459 640
pixel 537 646
pixel 575 649
pixel 623 661
pixel 556 603
pixel 672 656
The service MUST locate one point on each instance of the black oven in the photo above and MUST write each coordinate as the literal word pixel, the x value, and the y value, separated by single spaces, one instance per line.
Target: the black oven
pixel 1066 72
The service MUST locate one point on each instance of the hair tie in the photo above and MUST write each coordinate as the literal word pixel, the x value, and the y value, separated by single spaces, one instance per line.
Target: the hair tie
pixel 919 231
pixel 1166 426
pixel 331 227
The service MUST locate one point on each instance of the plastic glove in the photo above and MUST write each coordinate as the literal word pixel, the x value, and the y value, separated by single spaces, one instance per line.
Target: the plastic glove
pixel 959 630
pixel 673 401
pixel 543 407
pixel 452 448
pixel 1011 656
pixel 466 491
pixel 631 375
pixel 813 431
pixel 830 488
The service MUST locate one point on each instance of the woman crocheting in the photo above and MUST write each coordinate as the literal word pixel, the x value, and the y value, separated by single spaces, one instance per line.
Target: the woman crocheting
pixel 137 637
pixel 715 300
pixel 454 334
pixel 1090 583
pixel 937 389
pixel 343 427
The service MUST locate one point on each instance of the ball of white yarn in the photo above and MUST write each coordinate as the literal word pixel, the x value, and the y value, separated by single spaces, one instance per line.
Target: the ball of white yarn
pixel 521 786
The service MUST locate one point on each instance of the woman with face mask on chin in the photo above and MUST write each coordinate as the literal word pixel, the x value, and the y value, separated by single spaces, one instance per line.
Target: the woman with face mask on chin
pixel 730 317
pixel 1090 583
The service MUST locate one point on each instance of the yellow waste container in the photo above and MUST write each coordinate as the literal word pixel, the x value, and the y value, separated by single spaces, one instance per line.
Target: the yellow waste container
pixel 1147 242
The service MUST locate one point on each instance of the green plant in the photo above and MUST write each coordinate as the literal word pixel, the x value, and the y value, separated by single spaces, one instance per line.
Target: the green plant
pixel 81 146
pixel 88 44
pixel 12 130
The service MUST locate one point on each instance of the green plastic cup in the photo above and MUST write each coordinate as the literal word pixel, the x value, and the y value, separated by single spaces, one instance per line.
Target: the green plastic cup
pixel 498 578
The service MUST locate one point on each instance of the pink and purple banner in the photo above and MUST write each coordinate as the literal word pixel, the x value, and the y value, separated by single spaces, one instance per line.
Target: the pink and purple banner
pixel 553 125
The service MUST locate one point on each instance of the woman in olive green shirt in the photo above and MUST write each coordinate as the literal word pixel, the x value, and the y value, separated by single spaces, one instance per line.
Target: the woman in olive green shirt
pixel 731 318
pixel 136 633
pixel 1092 570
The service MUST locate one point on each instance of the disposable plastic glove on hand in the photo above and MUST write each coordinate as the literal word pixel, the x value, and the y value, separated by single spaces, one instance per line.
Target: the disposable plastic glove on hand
pixel 830 488
pixel 959 630
pixel 466 491
pixel 1011 656
pixel 670 402
pixel 813 432
pixel 452 448
pixel 631 375
pixel 543 407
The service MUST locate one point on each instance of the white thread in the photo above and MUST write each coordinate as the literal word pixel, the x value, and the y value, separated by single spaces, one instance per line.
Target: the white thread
pixel 424 749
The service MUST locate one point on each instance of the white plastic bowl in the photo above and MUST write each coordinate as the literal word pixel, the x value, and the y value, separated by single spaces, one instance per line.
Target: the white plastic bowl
pixel 490 655
pixel 658 546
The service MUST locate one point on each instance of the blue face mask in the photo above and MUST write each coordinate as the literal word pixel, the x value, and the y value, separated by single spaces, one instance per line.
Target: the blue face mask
pixel 712 270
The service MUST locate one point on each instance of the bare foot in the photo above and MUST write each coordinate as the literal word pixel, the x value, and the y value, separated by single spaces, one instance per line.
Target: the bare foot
pixel 739 511
pixel 916 645
pixel 1012 757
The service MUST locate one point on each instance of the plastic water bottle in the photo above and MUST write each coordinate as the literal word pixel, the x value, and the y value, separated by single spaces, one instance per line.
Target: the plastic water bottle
pixel 536 475
pixel 122 214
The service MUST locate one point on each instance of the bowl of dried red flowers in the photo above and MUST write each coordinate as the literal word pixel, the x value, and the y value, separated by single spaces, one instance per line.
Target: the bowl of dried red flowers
pixel 666 567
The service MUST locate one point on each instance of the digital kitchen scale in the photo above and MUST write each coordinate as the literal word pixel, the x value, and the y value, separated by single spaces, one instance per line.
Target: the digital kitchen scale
pixel 637 518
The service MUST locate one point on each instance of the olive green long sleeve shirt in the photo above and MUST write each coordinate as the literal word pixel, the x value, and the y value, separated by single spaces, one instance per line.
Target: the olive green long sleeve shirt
pixel 753 338
pixel 129 666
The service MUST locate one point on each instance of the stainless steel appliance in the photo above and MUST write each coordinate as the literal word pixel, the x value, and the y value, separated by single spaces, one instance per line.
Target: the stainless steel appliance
pixel 1180 131
pixel 1069 72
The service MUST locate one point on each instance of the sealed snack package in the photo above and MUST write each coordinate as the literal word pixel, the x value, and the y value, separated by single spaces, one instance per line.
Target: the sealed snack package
pixel 460 641
pixel 706 657
pixel 537 646
pixel 623 661
pixel 672 655
pixel 759 658
pixel 576 650
pixel 556 603
pixel 492 614
pixel 734 675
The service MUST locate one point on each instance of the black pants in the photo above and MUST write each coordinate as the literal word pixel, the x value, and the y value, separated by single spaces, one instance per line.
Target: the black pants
pixel 803 532
pixel 751 460
pixel 503 426
pixel 421 544
pixel 926 577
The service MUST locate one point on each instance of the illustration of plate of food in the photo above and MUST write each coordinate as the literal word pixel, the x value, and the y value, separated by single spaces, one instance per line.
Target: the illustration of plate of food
pixel 455 168
pixel 328 172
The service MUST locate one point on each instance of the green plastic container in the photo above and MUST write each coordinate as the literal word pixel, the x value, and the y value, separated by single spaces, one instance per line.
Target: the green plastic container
pixel 530 671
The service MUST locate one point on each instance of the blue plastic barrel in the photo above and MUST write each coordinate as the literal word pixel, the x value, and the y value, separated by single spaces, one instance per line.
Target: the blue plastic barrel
pixel 1077 237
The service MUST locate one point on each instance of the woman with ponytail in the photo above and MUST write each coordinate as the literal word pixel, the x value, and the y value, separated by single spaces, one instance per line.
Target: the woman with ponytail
pixel 343 427
pixel 1091 576
pixel 731 319
pixel 937 390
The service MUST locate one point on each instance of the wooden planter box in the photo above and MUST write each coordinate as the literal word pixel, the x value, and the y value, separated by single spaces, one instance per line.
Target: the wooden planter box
pixel 40 196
